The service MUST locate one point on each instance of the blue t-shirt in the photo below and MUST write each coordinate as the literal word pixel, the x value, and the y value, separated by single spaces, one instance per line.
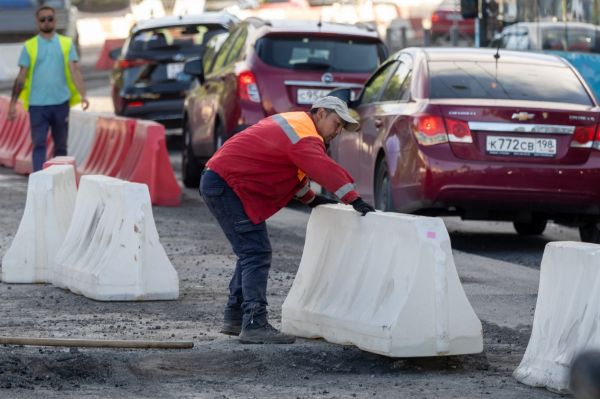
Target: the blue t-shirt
pixel 48 83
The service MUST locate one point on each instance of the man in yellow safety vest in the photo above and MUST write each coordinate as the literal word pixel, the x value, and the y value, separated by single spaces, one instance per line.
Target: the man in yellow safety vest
pixel 48 84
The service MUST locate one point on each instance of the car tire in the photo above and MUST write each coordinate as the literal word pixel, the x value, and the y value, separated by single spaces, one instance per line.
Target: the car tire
pixel 535 227
pixel 190 167
pixel 590 232
pixel 383 187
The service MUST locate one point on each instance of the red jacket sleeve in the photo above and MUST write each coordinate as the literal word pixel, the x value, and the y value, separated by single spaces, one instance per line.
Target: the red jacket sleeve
pixel 308 154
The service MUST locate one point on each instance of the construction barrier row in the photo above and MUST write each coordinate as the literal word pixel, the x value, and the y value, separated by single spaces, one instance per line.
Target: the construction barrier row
pixel 127 148
pixel 567 314
pixel 82 129
pixel 385 282
pixel 100 241
pixel 15 139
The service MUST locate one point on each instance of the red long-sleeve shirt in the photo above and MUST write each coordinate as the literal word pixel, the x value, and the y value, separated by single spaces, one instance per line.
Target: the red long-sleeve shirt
pixel 267 164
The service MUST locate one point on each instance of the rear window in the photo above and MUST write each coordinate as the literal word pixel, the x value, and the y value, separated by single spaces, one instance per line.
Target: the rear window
pixel 326 54
pixel 468 79
pixel 176 39
pixel 571 39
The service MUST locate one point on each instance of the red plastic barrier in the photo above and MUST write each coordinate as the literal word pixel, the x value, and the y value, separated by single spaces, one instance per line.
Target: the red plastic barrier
pixel 148 162
pixel 14 134
pixel 3 117
pixel 104 61
pixel 112 142
pixel 63 160
pixel 23 162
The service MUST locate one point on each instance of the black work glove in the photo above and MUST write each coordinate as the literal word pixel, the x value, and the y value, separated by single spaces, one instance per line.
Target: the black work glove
pixel 321 200
pixel 361 206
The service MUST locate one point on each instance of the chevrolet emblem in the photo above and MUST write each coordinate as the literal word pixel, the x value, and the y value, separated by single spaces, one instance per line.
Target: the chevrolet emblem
pixel 522 116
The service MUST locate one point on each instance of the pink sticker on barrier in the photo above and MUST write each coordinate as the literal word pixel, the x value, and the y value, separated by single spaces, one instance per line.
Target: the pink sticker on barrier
pixel 431 234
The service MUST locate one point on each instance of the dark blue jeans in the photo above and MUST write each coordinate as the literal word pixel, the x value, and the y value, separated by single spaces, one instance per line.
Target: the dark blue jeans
pixel 42 118
pixel 248 286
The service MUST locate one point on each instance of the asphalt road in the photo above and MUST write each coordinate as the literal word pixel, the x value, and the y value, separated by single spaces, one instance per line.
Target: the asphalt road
pixel 499 271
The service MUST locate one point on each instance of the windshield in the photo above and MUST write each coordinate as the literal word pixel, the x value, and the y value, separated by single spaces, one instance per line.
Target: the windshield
pixel 326 54
pixel 188 39
pixel 486 80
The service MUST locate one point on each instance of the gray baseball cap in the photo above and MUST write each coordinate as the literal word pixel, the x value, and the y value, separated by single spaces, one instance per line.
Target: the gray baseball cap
pixel 340 108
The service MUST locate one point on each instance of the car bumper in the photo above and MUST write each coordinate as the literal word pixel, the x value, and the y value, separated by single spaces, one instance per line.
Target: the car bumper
pixel 167 112
pixel 474 187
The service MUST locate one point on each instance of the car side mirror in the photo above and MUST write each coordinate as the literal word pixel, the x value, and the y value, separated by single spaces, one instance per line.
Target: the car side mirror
pixel 342 93
pixel 345 95
pixel 114 53
pixel 195 68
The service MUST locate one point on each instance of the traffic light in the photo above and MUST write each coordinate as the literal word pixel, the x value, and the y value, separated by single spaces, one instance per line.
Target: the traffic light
pixel 469 8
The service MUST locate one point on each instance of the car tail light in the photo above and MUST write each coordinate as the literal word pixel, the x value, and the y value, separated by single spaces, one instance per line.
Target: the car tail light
pixel 134 104
pixel 430 130
pixel 583 137
pixel 126 64
pixel 247 87
pixel 458 131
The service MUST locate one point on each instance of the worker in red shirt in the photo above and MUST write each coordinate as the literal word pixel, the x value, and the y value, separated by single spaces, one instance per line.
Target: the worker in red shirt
pixel 252 176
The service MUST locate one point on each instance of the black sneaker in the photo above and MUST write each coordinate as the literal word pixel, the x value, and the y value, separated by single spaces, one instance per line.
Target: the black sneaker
pixel 265 335
pixel 231 327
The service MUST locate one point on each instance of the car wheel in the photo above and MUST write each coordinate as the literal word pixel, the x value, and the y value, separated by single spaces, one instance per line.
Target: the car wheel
pixel 383 188
pixel 590 232
pixel 190 167
pixel 535 227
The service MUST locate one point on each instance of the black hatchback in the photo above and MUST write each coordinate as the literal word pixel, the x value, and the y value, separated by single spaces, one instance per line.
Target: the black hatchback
pixel 147 80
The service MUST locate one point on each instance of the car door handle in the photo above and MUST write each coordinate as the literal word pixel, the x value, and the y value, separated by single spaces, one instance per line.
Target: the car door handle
pixel 378 123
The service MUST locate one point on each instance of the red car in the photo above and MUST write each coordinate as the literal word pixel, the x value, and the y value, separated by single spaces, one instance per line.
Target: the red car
pixel 478 133
pixel 445 16
pixel 264 68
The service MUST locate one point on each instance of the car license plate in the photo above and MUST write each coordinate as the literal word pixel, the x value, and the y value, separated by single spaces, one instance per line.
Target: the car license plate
pixel 309 96
pixel 174 69
pixel 520 146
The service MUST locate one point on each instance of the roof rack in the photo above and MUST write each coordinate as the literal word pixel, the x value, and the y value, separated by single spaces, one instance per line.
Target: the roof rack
pixel 258 21
pixel 366 26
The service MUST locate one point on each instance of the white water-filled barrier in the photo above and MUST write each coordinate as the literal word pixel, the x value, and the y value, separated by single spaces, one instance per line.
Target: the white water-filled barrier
pixel 385 282
pixel 567 314
pixel 112 250
pixel 48 209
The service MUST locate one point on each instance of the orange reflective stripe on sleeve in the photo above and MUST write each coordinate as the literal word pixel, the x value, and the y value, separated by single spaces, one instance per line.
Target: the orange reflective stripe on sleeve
pixel 296 126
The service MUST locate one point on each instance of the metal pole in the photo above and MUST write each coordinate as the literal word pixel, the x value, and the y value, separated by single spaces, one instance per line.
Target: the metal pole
pixel 427 37
pixel 96 343
pixel 403 42
pixel 482 18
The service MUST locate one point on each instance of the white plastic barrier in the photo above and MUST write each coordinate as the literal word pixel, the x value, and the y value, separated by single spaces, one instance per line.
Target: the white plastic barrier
pixel 384 282
pixel 567 314
pixel 112 249
pixel 82 130
pixel 48 209
pixel 9 67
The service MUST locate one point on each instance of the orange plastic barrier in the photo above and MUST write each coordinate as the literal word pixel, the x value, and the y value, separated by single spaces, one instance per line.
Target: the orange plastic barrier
pixel 63 160
pixel 23 162
pixel 148 162
pixel 104 61
pixel 112 142
pixel 13 134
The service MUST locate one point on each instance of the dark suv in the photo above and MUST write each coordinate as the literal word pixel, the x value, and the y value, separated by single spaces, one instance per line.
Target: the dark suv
pixel 147 80
pixel 264 68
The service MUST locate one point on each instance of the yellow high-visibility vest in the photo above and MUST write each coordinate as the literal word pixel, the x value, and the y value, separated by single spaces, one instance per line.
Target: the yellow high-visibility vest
pixel 31 46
